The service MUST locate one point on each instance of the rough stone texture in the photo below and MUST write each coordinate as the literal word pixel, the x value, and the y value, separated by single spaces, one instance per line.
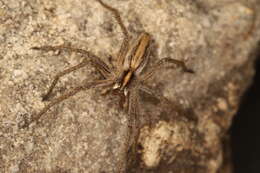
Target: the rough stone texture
pixel 217 39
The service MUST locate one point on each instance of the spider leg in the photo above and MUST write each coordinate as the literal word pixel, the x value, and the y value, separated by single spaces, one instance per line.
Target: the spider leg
pixel 95 60
pixel 59 75
pixel 124 46
pixel 133 127
pixel 117 17
pixel 165 62
pixel 68 94
pixel 171 105
pixel 151 92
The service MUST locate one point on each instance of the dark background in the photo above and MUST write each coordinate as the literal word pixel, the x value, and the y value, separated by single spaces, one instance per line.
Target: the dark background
pixel 245 132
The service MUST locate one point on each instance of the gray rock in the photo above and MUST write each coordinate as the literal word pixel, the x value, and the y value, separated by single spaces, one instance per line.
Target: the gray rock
pixel 86 133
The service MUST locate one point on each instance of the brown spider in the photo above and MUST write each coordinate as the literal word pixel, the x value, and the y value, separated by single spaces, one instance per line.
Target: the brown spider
pixel 125 77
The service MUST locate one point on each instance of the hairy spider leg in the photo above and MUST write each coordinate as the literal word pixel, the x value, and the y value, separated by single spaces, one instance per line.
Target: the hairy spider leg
pixel 101 66
pixel 46 97
pixel 133 125
pixel 165 62
pixel 125 45
pixel 151 92
pixel 96 61
pixel 71 92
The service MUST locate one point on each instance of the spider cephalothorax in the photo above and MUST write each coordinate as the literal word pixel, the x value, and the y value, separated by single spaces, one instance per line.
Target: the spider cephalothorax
pixel 133 63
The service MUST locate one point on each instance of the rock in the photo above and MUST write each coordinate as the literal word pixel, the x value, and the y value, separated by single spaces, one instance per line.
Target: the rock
pixel 86 133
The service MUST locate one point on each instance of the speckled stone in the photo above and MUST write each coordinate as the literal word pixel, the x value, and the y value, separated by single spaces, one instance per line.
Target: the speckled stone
pixel 86 133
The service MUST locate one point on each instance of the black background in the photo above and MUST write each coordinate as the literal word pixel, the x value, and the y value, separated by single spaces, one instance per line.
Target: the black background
pixel 245 131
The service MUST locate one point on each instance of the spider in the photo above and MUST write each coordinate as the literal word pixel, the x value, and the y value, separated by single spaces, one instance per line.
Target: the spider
pixel 125 77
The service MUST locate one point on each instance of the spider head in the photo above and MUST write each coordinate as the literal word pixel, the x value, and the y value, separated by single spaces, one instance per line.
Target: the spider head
pixel 123 81
pixel 117 86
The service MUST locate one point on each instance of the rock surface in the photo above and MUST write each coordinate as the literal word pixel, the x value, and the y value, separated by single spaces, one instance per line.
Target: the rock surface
pixel 217 39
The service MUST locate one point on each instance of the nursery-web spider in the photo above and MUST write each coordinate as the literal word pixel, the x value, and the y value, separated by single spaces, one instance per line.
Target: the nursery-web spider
pixel 125 77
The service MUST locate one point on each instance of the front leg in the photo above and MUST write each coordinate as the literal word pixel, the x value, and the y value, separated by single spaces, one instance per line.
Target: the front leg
pixel 101 66
pixel 125 44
